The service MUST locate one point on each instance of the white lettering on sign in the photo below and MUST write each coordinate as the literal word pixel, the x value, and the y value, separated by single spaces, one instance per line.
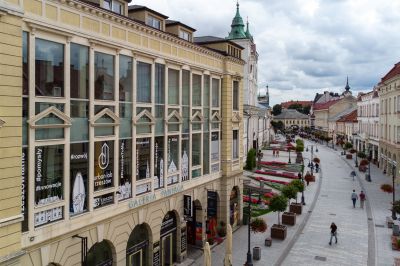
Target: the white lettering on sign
pixel 152 197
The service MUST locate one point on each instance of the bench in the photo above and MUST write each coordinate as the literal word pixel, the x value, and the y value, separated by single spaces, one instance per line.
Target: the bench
pixel 389 221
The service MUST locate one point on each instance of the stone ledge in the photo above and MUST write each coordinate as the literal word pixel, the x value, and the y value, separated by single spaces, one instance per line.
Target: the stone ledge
pixel 11 220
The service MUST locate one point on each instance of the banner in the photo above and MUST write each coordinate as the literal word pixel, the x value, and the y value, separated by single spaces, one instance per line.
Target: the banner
pixel 212 200
pixel 79 178
pixel 187 207
pixel 24 189
pixel 125 169
pixel 103 165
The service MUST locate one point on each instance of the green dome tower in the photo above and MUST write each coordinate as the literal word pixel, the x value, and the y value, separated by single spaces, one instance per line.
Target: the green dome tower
pixel 237 27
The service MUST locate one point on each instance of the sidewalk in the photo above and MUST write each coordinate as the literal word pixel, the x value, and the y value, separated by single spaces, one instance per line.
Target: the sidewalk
pixel 269 255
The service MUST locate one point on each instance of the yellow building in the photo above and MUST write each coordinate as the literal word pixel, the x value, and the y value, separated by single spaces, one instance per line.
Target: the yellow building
pixel 292 118
pixel 126 132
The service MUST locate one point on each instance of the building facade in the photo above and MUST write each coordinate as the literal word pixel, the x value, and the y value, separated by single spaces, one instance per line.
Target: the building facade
pixel 389 107
pixel 367 139
pixel 126 132
pixel 292 118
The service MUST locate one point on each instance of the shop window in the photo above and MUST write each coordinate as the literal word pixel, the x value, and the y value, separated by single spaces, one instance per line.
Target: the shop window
pixel 159 119
pixel 79 189
pixel 215 146
pixel 103 165
pixel 185 119
pixel 235 96
pixel 49 68
pixel 125 169
pixel 197 120
pixel 159 162
pixel 79 71
pixel 216 120
pixel 143 162
pixel 173 86
pixel 104 76
pixel 173 159
pixel 235 144
pixel 206 153
pixel 143 77
pixel 196 149
pixel 185 168
pixel 196 90
pixel 125 114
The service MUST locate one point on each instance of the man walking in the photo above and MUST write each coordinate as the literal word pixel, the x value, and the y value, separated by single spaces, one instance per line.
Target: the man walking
pixel 362 199
pixel 354 198
pixel 333 233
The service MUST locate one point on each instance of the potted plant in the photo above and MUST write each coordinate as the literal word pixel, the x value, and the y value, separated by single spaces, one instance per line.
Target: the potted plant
pixel 362 155
pixel 309 178
pixel 294 206
pixel 221 229
pixel 278 204
pixel 290 192
pixel 352 151
pixel 258 225
pixel 387 188
pixel 316 160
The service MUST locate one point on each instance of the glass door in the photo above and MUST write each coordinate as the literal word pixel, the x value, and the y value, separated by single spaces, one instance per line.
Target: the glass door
pixel 136 259
pixel 166 249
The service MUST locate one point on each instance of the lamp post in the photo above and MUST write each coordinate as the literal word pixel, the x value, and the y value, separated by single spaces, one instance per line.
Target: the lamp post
pixel 333 132
pixel 249 260
pixel 312 156
pixel 356 165
pixel 289 156
pixel 369 164
pixel 302 179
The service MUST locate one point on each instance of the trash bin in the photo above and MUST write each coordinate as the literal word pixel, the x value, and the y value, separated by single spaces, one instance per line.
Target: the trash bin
pixel 268 242
pixel 256 253
pixel 368 177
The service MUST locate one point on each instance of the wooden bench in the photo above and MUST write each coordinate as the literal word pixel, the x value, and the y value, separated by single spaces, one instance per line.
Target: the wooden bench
pixel 389 221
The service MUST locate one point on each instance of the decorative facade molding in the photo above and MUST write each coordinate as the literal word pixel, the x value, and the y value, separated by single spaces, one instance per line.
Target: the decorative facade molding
pixel 144 113
pixel 236 118
pixel 176 115
pixel 216 118
pixel 2 122
pixel 102 113
pixel 197 118
pixel 54 111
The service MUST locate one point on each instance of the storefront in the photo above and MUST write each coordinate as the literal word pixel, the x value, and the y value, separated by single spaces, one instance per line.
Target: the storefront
pixel 137 250
pixel 194 226
pixel 100 254
pixel 212 211
pixel 168 239
pixel 234 207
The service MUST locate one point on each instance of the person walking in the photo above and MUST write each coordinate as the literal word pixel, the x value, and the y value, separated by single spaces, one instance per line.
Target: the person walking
pixel 333 233
pixel 353 174
pixel 354 198
pixel 362 199
pixel 260 155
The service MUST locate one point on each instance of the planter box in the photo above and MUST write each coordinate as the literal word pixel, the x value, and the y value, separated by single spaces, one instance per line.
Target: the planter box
pixel 362 168
pixel 278 231
pixel 394 243
pixel 296 208
pixel 349 156
pixel 289 218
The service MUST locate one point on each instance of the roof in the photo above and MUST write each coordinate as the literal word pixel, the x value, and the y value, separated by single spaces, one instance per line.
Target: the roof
pixel 237 26
pixel 212 39
pixel 134 8
pixel 289 103
pixel 393 72
pixel 323 106
pixel 341 114
pixel 291 114
pixel 170 22
pixel 351 117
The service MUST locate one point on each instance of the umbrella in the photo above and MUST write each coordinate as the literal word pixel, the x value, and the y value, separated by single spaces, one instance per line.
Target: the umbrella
pixel 228 246
pixel 207 255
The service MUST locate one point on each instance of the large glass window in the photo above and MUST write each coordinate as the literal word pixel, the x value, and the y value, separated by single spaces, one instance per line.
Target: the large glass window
pixel 196 149
pixel 49 172
pixel 143 93
pixel 103 76
pixel 196 90
pixel 79 69
pixel 79 189
pixel 159 162
pixel 125 78
pixel 173 159
pixel 80 126
pixel 143 162
pixel 125 169
pixel 235 144
pixel 51 119
pixel 235 100
pixel 104 130
pixel 49 68
pixel 206 90
pixel 185 170
pixel 206 153
pixel 185 87
pixel 215 93
pixel 215 146
pixel 159 98
pixel 173 86
pixel 25 63
pixel 103 165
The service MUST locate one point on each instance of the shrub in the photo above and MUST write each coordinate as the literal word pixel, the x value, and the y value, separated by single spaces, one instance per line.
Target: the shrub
pixel 362 155
pixel 364 162
pixel 278 204
pixel 251 160
pixel 290 192
pixel 387 188
pixel 347 145
pixel 316 160
pixel 396 206
pixel 352 151
pixel 258 225
pixel 298 184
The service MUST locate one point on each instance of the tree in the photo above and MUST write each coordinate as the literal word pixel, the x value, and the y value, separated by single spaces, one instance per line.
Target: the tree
pixel 278 203
pixel 306 109
pixel 277 125
pixel 290 192
pixel 277 109
pixel 299 185
pixel 251 160
pixel 347 146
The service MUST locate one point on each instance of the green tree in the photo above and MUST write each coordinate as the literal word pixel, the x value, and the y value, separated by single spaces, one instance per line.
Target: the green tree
pixel 278 203
pixel 299 185
pixel 306 109
pixel 290 192
pixel 277 125
pixel 251 160
pixel 277 109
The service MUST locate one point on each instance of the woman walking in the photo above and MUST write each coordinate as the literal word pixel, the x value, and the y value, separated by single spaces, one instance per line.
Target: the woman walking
pixel 333 233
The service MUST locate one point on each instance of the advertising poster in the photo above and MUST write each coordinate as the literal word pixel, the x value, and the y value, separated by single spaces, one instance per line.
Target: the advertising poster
pixel 103 200
pixel 24 189
pixel 79 165
pixel 48 216
pixel 159 162
pixel 103 165
pixel 143 158
pixel 125 169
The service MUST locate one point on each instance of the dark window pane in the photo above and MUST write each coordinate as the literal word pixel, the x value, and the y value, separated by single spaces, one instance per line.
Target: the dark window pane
pixel 196 90
pixel 25 63
pixel 185 87
pixel 185 157
pixel 125 78
pixel 103 76
pixel 215 93
pixel 143 93
pixel 79 68
pixel 196 149
pixel 49 68
pixel 80 123
pixel 173 86
pixel 125 169
pixel 206 153
pixel 159 83
pixel 235 95
pixel 206 90
pixel 143 158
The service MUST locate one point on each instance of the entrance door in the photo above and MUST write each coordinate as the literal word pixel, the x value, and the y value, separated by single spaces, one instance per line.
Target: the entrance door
pixel 166 249
pixel 136 259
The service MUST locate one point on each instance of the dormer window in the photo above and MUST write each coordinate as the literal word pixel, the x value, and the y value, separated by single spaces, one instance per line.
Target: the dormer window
pixel 184 35
pixel 114 5
pixel 153 22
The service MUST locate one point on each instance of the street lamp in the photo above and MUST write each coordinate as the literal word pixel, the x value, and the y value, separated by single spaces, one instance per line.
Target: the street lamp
pixel 369 164
pixel 289 156
pixel 356 165
pixel 249 260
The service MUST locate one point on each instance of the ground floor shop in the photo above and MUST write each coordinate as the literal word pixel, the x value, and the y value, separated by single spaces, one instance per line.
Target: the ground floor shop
pixel 156 233
pixel 389 158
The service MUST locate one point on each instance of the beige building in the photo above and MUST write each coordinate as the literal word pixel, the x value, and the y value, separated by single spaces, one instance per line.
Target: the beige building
pixel 389 143
pixel 127 134
pixel 292 118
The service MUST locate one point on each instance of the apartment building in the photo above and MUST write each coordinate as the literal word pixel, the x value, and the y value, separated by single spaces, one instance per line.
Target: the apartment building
pixel 127 134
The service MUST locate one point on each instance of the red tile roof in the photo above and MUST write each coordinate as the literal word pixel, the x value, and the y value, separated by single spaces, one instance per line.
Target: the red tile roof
pixel 289 103
pixel 393 72
pixel 323 106
pixel 352 117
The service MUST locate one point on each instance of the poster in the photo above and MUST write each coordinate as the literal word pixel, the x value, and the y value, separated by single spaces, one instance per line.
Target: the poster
pixel 159 162
pixel 103 200
pixel 125 169
pixel 185 158
pixel 103 165
pixel 48 216
pixel 143 158
pixel 24 189
pixel 79 177
pixel 187 207
pixel 214 146
pixel 49 172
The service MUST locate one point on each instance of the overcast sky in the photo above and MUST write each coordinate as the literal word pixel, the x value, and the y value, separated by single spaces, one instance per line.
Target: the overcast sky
pixel 304 46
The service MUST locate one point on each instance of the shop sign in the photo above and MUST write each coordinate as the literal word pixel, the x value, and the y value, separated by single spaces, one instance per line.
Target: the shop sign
pixel 170 191
pixel 103 200
pixel 24 189
pixel 212 199
pixel 152 197
pixel 187 207
pixel 125 169
pixel 79 164
pixel 156 254
pixel 48 216
pixel 103 165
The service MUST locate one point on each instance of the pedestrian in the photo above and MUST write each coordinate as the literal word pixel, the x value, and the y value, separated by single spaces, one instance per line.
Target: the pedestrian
pixel 353 174
pixel 333 233
pixel 273 152
pixel 277 153
pixel 362 199
pixel 354 198
pixel 316 167
pixel 260 155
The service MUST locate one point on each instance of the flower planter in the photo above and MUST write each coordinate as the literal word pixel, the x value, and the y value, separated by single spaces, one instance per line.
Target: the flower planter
pixel 296 208
pixel 349 156
pixel 278 231
pixel 289 218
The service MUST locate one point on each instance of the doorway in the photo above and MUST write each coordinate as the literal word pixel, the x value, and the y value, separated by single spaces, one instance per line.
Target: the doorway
pixel 136 258
pixel 167 251
pixel 168 239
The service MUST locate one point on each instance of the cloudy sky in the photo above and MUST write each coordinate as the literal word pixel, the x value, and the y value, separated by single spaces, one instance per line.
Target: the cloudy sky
pixel 304 46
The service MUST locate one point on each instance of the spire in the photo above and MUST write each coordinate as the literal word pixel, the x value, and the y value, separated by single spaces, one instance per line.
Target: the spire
pixel 248 34
pixel 237 26
pixel 347 88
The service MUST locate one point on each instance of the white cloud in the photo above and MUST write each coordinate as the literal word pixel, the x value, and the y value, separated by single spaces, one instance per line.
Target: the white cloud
pixel 304 46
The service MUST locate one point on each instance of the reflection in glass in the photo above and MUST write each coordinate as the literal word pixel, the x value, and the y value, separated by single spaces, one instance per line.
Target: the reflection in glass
pixel 143 158
pixel 185 87
pixel 79 69
pixel 49 68
pixel 206 90
pixel 125 78
pixel 196 90
pixel 215 93
pixel 80 124
pixel 143 93
pixel 103 76
pixel 125 116
pixel 196 149
pixel 159 87
pixel 173 86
